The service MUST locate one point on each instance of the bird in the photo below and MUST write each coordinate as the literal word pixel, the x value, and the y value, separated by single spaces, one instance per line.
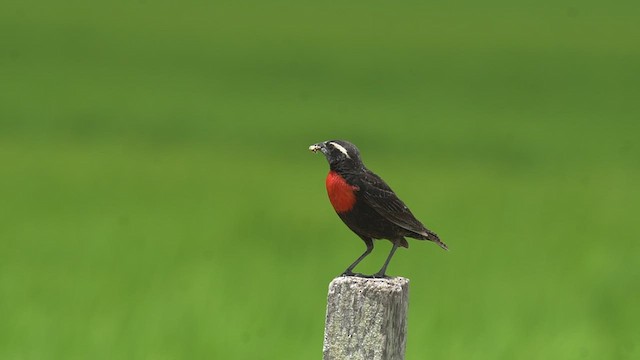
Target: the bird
pixel 367 205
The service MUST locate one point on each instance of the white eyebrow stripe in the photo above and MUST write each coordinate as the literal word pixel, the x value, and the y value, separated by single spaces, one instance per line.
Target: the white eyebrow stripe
pixel 341 148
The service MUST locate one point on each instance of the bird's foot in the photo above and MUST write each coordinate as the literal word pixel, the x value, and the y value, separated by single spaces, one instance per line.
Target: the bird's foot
pixel 380 275
pixel 351 273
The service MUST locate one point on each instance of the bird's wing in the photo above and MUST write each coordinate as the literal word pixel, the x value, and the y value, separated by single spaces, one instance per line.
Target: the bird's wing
pixel 383 200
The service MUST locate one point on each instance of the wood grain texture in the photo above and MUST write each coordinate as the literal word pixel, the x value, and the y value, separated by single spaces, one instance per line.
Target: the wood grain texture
pixel 366 319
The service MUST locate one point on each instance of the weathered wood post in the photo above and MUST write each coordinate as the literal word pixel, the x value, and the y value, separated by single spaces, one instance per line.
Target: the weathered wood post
pixel 366 319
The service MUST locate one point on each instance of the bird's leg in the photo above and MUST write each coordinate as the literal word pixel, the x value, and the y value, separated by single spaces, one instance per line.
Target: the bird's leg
pixel 381 273
pixel 349 271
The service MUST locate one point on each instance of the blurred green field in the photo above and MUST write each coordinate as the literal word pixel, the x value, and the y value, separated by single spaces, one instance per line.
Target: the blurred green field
pixel 157 199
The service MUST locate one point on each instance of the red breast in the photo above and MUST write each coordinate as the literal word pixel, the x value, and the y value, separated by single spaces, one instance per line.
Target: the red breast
pixel 341 194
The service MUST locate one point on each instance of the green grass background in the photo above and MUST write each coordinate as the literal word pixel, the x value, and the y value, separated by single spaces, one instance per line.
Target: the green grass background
pixel 157 199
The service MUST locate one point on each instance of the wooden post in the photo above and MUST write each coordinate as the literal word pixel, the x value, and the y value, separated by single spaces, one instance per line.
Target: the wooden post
pixel 366 319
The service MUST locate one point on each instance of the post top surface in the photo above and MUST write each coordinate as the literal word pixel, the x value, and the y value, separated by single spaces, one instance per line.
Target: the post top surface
pixel 385 284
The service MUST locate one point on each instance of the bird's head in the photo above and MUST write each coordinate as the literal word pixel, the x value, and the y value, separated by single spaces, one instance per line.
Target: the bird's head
pixel 339 153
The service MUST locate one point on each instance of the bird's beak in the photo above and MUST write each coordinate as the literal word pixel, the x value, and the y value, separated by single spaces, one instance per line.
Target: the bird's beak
pixel 316 147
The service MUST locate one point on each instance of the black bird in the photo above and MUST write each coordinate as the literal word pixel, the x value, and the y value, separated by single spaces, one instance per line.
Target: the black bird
pixel 366 204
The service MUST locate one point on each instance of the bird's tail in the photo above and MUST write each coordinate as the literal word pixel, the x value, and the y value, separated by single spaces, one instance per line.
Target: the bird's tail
pixel 430 235
pixel 441 244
